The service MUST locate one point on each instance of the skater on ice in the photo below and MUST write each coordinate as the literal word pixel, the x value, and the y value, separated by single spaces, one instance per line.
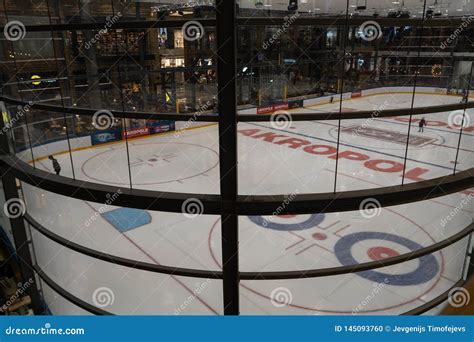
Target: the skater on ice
pixel 56 166
pixel 421 125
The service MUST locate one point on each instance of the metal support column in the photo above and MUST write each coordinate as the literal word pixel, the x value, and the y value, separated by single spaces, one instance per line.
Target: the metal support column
pixel 226 68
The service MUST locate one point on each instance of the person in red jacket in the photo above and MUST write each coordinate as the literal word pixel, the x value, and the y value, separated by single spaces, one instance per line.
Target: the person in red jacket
pixel 421 125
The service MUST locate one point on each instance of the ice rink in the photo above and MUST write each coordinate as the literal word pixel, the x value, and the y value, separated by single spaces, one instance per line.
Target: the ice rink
pixel 297 157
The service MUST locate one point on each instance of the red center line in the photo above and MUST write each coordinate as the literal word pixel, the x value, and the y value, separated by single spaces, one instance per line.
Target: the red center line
pixel 156 262
pixel 172 276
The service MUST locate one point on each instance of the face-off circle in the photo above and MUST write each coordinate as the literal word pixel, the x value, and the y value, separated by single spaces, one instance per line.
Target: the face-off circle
pixel 277 222
pixel 158 162
pixel 288 248
pixel 427 269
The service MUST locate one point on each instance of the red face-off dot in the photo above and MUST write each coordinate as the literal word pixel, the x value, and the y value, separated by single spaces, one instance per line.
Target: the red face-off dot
pixel 380 253
pixel 319 236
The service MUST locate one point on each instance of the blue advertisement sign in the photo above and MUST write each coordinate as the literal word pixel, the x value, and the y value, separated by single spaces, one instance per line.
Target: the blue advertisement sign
pixel 102 137
pixel 161 126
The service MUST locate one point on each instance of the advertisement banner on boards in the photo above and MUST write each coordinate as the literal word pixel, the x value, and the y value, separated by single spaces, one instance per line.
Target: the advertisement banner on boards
pixel 265 110
pixel 102 137
pixel 161 126
pixel 136 132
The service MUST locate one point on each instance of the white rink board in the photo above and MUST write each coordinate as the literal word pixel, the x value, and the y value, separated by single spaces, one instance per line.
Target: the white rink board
pixel 188 162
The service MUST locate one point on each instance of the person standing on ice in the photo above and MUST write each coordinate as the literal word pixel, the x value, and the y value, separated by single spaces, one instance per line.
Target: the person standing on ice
pixel 56 166
pixel 421 125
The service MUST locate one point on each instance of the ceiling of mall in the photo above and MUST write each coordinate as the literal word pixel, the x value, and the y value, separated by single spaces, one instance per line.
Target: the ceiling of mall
pixel 415 7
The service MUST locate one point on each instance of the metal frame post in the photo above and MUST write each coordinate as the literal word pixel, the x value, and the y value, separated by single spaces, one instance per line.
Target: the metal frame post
pixel 226 67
